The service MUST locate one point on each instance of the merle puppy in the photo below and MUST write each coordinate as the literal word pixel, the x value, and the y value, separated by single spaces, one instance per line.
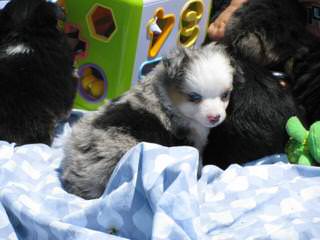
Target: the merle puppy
pixel 36 84
pixel 175 104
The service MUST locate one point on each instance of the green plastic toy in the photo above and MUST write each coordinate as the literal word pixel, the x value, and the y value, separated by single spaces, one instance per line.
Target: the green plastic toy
pixel 303 146
pixel 116 42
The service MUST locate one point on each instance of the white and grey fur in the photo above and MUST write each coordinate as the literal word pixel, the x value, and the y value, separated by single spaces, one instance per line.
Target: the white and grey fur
pixel 160 109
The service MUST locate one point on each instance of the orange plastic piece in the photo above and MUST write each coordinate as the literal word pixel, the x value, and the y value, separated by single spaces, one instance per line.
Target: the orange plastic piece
pixel 166 24
pixel 189 28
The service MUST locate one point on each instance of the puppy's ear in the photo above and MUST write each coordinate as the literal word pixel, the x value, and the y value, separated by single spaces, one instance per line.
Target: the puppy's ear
pixel 238 75
pixel 176 60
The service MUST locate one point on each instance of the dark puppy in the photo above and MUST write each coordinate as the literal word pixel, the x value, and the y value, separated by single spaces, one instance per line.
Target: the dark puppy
pixel 268 32
pixel 36 84
pixel 256 116
pixel 273 33
pixel 266 35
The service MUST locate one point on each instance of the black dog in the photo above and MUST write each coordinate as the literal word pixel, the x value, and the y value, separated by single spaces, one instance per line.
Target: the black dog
pixel 268 32
pixel 36 66
pixel 256 117
pixel 267 35
pixel 273 33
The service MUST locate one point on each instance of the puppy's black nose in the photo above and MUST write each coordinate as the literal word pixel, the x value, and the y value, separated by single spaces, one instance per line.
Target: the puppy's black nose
pixel 213 118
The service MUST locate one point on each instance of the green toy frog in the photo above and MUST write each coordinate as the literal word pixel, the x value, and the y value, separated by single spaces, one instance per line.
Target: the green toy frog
pixel 303 146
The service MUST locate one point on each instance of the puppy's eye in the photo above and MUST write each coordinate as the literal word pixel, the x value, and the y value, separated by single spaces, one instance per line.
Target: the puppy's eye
pixel 194 97
pixel 226 95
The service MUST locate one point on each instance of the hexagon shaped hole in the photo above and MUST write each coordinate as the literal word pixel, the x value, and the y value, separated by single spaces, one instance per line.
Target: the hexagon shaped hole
pixel 102 22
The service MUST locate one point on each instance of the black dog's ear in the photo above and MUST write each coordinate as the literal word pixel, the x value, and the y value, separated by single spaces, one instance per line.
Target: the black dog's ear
pixel 175 60
pixel 238 75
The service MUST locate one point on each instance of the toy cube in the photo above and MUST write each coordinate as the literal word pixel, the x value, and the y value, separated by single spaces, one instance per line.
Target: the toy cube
pixel 118 41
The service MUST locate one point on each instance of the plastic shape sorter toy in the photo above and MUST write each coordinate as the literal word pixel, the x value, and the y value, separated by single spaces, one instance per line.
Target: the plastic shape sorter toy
pixel 116 42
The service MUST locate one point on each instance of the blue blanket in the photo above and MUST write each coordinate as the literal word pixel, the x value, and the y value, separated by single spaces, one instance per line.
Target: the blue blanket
pixel 3 3
pixel 154 193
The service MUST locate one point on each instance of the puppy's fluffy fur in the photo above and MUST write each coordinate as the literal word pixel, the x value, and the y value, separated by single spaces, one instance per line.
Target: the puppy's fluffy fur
pixel 172 106
pixel 36 82
pixel 256 117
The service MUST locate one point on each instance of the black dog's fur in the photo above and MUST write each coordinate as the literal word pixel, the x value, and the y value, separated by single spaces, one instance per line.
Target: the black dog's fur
pixel 36 86
pixel 266 35
pixel 268 32
pixel 273 33
pixel 305 75
pixel 256 116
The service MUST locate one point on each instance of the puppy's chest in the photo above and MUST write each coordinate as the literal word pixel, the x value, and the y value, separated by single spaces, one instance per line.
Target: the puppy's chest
pixel 198 136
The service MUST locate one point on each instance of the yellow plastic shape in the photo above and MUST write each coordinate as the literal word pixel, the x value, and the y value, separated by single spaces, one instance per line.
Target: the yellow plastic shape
pixel 91 84
pixel 165 23
pixel 190 17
